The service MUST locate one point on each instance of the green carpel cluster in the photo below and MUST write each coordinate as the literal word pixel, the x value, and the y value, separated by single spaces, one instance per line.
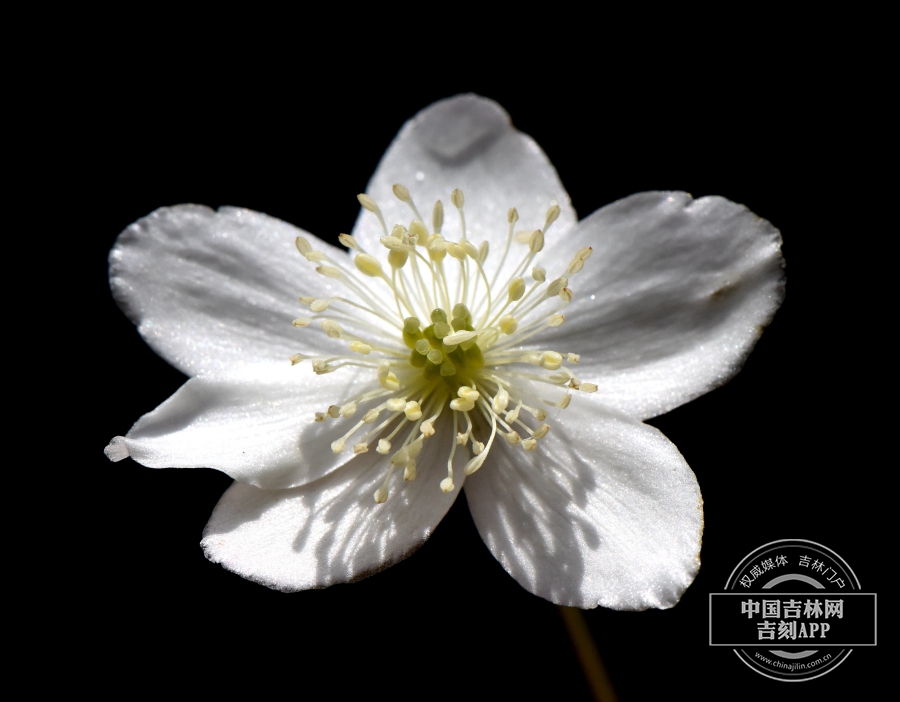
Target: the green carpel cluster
pixel 454 363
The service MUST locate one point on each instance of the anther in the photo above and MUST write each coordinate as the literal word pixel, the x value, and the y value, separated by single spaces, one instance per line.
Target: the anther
pixel 386 378
pixel 500 401
pixel 329 272
pixel 457 337
pixel 557 285
pixel 303 246
pixel 367 202
pixel 409 470
pixel 371 415
pixel 538 274
pixel 332 329
pixel 458 200
pixel 541 431
pixel 301 322
pixel 552 215
pixel 397 259
pixel 396 404
pixel 578 262
pixel 348 410
pixel 556 319
pixel 368 265
pixel 457 251
pixel 350 242
pixel 337 446
pixel 333 411
pixel 437 217
pixel 524 236
pixel 461 404
pixel 468 393
pixel 319 305
pixel 551 360
pixel 508 324
pixel 536 243
pixel 418 230
pixel 516 289
pixel 588 387
pixel 413 411
pixel 393 243
pixel 573 357
pixel 529 444
pixel 401 193
pixel 307 300
pixel 512 438
pixel 360 347
pixel 360 448
pixel 320 367
pixel 512 215
pixel 297 358
pixel 384 447
pixel 565 295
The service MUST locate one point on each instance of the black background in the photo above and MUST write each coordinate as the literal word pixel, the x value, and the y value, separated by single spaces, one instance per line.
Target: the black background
pixel 784 450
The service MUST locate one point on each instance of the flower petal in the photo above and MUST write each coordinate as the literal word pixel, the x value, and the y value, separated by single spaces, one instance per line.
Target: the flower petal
pixel 331 531
pixel 258 426
pixel 213 290
pixel 605 512
pixel 672 300
pixel 466 142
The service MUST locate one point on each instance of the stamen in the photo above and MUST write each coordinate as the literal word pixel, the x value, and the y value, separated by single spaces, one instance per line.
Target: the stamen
pixel 552 215
pixel 369 204
pixel 349 241
pixel 437 217
pixel 402 194
pixel 458 200
pixel 468 361
pixel 578 262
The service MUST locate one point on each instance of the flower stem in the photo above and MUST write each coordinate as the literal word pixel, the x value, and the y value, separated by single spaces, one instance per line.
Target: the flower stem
pixel 588 655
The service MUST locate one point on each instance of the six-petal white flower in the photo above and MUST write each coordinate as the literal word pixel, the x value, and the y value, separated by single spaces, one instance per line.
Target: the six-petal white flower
pixel 602 510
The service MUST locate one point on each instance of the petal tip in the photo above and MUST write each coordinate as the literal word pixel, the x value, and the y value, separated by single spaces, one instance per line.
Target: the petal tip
pixel 452 129
pixel 117 449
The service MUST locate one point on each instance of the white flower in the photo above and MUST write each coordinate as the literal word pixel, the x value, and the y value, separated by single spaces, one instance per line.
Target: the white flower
pixel 538 346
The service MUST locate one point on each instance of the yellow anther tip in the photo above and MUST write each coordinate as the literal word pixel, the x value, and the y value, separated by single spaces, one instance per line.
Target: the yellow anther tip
pixel 401 193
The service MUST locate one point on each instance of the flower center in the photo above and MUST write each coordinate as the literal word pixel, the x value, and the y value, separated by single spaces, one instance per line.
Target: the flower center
pixel 468 362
